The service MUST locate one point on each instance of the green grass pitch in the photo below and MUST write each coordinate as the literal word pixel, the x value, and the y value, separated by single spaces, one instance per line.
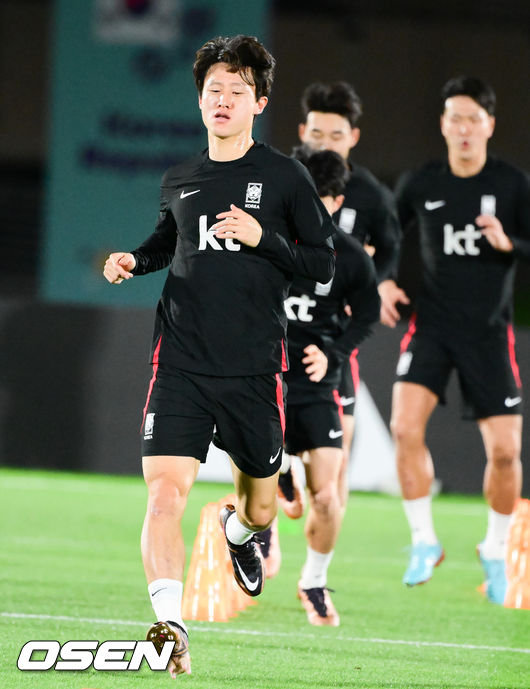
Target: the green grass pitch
pixel 70 569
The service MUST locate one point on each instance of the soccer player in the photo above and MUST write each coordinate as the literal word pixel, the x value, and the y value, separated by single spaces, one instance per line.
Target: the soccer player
pixel 235 223
pixel 330 121
pixel 319 343
pixel 473 212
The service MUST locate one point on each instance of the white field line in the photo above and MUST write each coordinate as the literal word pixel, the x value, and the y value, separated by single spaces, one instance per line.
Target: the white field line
pixel 252 632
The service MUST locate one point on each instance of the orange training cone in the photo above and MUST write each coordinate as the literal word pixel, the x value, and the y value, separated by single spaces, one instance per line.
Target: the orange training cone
pixel 518 558
pixel 211 592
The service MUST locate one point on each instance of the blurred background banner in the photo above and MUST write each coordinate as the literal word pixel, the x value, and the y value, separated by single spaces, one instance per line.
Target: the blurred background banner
pixel 123 109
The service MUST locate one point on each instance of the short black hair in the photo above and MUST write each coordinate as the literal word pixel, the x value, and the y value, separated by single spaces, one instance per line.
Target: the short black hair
pixel 327 168
pixel 480 91
pixel 242 53
pixel 338 97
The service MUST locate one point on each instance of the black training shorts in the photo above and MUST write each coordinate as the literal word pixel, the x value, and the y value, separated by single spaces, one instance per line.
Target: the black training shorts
pixel 486 366
pixel 349 384
pixel 310 426
pixel 243 415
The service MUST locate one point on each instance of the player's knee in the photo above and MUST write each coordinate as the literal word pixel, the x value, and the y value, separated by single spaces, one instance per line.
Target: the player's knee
pixel 259 517
pixel 505 455
pixel 325 500
pixel 166 496
pixel 407 432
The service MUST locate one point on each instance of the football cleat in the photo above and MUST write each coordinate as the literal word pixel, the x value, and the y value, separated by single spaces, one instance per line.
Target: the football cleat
pixel 291 495
pixel 269 544
pixel 318 606
pixel 496 582
pixel 247 560
pixel 179 662
pixel 423 559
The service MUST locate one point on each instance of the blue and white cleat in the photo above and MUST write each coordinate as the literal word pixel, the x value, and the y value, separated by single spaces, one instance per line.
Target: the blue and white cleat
pixel 423 559
pixel 496 581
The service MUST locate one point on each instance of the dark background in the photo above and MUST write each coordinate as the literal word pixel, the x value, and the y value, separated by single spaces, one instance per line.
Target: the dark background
pixel 73 379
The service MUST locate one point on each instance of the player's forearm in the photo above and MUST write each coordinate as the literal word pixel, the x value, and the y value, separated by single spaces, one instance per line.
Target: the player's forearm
pixel 347 342
pixel 313 262
pixel 386 261
pixel 521 247
pixel 154 254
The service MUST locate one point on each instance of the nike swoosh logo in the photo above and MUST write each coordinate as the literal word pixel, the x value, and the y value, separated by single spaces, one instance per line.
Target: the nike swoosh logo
pixel 157 591
pixel 512 401
pixel 347 400
pixel 273 459
pixel 335 434
pixel 183 194
pixel 251 585
pixel 433 205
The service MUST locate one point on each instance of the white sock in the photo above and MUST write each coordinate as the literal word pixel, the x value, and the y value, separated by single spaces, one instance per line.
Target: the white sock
pixel 419 517
pixel 236 532
pixel 494 545
pixel 166 599
pixel 315 569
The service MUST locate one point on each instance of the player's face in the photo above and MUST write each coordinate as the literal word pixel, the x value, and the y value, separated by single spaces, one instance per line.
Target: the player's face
pixel 228 104
pixel 466 127
pixel 328 131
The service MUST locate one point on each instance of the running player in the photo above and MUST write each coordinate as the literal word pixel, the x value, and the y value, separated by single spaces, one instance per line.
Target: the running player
pixel 473 212
pixel 330 121
pixel 235 223
pixel 319 343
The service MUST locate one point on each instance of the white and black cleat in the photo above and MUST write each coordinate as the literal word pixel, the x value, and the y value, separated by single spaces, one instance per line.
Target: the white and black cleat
pixel 247 560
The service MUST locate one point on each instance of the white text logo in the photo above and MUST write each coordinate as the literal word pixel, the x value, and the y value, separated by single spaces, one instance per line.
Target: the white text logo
pixel 77 655
pixel 149 425
pixel 347 219
pixel 488 204
pixel 453 240
pixel 302 304
pixel 207 237
pixel 253 197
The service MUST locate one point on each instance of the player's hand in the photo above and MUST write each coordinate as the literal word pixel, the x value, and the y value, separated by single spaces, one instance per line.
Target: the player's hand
pixel 493 231
pixel 317 363
pixel 391 295
pixel 118 266
pixel 370 250
pixel 237 224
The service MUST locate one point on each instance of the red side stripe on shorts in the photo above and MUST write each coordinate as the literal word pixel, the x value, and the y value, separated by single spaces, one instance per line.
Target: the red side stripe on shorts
pixel 279 400
pixel 284 358
pixel 153 378
pixel 409 334
pixel 354 367
pixel 511 352
pixel 336 397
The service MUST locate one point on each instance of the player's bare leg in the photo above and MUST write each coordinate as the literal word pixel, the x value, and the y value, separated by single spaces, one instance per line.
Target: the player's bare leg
pixel 412 406
pixel 503 474
pixel 322 527
pixel 502 487
pixel 169 480
pixel 253 512
pixel 348 427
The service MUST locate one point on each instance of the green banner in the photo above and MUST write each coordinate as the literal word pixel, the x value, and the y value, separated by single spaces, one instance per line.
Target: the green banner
pixel 123 109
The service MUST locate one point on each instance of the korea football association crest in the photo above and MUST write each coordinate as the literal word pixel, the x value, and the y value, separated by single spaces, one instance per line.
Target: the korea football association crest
pixel 253 196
